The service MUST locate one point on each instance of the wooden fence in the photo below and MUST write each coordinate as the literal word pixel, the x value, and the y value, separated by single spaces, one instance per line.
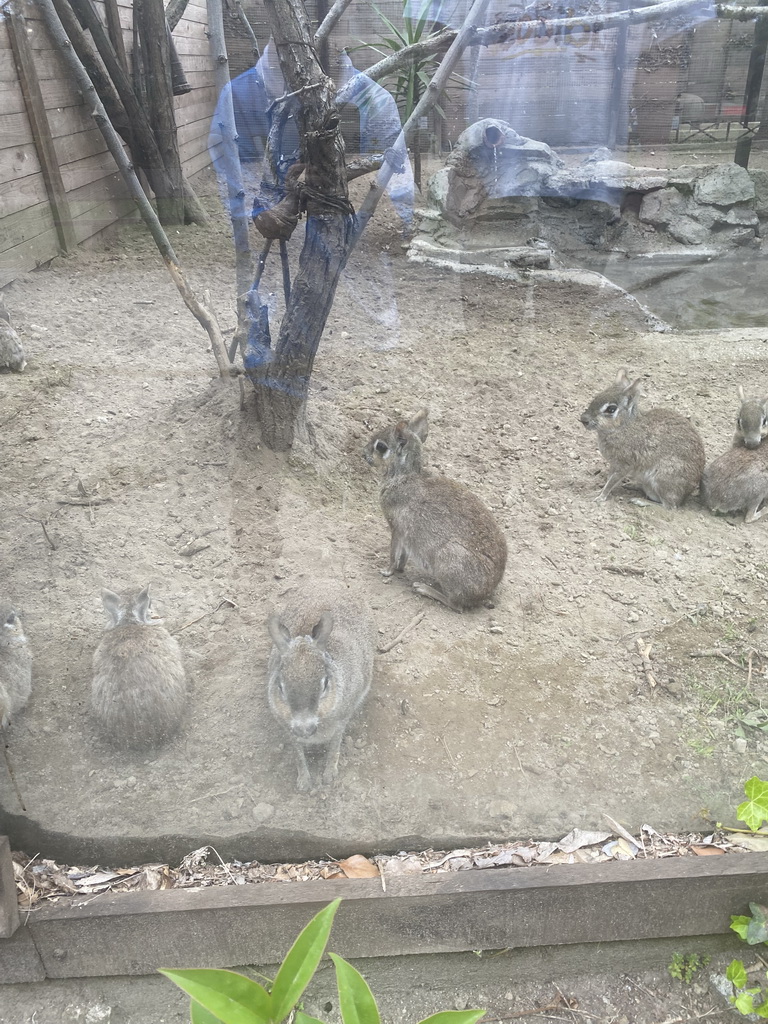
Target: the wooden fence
pixel 54 165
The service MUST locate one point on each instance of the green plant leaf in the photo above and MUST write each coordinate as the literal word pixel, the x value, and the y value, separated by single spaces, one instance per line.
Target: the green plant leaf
pixel 356 1000
pixel 454 1017
pixel 762 1009
pixel 754 810
pixel 736 972
pixel 301 963
pixel 739 924
pixel 304 1018
pixel 199 1015
pixel 230 997
pixel 757 929
pixel 744 1001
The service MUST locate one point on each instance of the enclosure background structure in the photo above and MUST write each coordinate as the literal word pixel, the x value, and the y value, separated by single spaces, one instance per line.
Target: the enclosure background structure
pixel 94 195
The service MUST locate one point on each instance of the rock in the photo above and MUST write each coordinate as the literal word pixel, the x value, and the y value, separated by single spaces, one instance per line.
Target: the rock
pixel 262 812
pixel 740 745
pixel 688 231
pixel 742 215
pixel 661 207
pixel 724 185
pixel 760 181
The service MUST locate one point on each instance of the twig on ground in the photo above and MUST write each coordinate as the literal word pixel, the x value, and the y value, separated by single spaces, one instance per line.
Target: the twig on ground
pixel 205 615
pixel 645 657
pixel 717 652
pixel 624 570
pixel 83 501
pixel 401 635
pixel 525 773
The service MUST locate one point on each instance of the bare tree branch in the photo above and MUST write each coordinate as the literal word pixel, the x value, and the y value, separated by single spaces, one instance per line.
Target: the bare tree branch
pixel 248 28
pixel 174 12
pixel 330 21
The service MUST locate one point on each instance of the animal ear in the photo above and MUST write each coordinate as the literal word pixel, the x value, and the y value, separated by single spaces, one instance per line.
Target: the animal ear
pixel 11 619
pixel 111 602
pixel 742 396
pixel 141 608
pixel 622 377
pixel 401 435
pixel 322 629
pixel 634 388
pixel 419 425
pixel 279 632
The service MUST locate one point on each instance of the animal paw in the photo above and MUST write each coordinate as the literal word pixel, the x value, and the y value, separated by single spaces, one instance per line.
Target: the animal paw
pixel 304 782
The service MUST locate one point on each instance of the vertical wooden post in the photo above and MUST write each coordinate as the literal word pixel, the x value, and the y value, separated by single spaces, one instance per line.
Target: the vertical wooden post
pixel 41 129
pixel 9 908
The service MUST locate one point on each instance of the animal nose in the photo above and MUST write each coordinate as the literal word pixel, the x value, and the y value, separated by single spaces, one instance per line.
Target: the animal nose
pixel 584 419
pixel 304 727
pixel 750 442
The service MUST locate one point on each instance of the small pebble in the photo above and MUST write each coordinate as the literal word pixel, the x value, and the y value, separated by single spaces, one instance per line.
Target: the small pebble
pixel 740 745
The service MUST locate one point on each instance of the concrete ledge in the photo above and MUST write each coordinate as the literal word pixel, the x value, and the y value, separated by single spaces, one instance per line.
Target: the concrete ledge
pixel 469 910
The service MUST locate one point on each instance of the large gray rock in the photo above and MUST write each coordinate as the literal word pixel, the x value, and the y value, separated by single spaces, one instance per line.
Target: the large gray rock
pixel 724 185
pixel 760 181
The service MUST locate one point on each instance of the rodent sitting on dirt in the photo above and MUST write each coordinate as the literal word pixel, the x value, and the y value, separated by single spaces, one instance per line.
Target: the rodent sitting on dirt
pixel 658 450
pixel 139 690
pixel 435 522
pixel 15 665
pixel 320 669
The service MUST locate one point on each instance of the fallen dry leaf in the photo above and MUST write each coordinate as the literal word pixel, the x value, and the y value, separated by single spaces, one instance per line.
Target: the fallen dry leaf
pixel 706 851
pixel 357 866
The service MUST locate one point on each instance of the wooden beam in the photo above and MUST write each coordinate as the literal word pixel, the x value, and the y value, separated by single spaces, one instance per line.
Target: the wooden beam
pixel 41 129
pixel 503 908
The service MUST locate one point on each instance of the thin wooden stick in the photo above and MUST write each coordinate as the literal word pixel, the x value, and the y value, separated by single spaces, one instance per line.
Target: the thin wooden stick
pixel 645 656
pixel 398 639
pixel 286 270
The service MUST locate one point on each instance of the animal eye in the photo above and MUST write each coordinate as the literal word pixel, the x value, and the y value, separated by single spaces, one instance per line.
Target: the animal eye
pixel 610 408
pixel 325 684
pixel 380 447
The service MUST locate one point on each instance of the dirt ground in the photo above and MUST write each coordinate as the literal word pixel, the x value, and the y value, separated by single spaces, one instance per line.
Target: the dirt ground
pixel 523 720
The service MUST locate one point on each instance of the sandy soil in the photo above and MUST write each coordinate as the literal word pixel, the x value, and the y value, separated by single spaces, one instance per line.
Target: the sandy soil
pixel 525 719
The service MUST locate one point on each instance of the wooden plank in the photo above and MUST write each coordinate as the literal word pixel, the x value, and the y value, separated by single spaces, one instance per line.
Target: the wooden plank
pixel 18 161
pixel 40 127
pixel 503 908
pixel 197 162
pixel 9 908
pixel 21 193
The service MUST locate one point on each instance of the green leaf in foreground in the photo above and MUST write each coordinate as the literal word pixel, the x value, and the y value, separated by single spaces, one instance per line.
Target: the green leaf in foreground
pixel 356 1000
pixel 762 1009
pixel 454 1017
pixel 739 924
pixel 304 1018
pixel 301 963
pixel 199 1015
pixel 757 929
pixel 736 973
pixel 754 810
pixel 230 997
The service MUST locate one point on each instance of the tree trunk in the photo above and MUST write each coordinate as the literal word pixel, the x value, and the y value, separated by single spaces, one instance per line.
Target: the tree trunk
pixel 157 63
pixel 752 89
pixel 281 376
